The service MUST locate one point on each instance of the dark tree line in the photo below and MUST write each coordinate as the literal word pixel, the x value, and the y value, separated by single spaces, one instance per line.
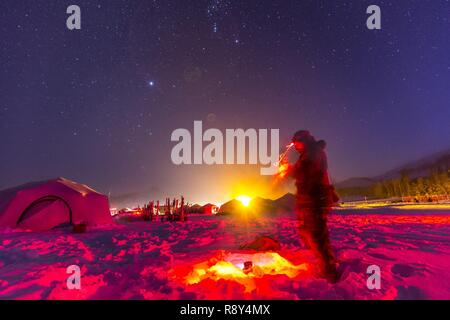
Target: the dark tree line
pixel 436 186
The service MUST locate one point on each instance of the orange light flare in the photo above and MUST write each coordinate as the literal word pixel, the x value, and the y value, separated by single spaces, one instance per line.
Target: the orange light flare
pixel 245 200
pixel 283 169
pixel 283 164
pixel 234 267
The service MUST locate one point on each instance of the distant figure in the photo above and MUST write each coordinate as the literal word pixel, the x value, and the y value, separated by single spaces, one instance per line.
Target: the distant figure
pixel 182 209
pixel 145 213
pixel 314 198
pixel 157 209
pixel 151 209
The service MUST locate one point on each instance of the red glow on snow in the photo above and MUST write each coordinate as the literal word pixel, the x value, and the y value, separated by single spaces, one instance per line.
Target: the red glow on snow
pixel 230 267
pixel 186 261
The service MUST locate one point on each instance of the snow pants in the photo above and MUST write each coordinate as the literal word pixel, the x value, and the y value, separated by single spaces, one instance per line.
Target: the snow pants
pixel 315 235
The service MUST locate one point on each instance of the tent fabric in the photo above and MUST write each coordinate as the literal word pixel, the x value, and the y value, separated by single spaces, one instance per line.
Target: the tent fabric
pixel 45 215
pixel 47 204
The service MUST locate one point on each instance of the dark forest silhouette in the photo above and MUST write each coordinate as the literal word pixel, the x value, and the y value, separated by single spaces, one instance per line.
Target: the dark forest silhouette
pixel 434 187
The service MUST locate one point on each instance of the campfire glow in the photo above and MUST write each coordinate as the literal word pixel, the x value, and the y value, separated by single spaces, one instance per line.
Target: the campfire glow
pixel 231 267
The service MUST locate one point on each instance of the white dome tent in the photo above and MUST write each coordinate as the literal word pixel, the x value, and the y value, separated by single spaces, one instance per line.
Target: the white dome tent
pixel 40 206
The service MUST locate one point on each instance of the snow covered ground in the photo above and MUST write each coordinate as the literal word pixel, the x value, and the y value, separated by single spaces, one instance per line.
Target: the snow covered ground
pixel 154 260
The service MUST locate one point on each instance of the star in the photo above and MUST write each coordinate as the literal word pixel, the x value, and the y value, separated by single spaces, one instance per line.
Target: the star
pixel 151 83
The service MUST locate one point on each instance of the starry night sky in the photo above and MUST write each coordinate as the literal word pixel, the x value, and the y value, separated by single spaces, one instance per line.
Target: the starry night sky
pixel 98 105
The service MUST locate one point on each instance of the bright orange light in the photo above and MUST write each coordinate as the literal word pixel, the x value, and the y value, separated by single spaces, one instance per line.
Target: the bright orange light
pixel 231 267
pixel 283 164
pixel 245 200
pixel 283 169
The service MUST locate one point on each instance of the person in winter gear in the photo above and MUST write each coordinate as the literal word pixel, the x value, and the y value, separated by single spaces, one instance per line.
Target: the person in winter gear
pixel 314 197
